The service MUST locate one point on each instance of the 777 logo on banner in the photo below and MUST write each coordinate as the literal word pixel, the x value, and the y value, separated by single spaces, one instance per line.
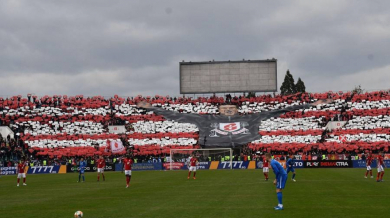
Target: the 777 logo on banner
pixel 43 169
pixel 234 165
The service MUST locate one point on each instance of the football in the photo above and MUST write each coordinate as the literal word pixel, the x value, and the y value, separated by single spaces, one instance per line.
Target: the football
pixel 78 214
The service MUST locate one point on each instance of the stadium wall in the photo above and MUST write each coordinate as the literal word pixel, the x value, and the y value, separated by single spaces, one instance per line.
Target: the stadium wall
pixel 5 131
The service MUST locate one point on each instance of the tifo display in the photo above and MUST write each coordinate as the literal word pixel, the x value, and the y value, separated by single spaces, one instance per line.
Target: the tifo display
pixel 55 128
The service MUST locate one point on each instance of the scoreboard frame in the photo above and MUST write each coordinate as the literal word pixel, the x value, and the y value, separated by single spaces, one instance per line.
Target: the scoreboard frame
pixel 228 76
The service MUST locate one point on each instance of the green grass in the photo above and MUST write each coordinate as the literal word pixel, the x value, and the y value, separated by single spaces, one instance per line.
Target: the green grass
pixel 217 193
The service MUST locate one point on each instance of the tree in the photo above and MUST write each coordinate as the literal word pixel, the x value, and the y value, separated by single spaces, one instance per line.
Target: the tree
pixel 300 86
pixel 358 90
pixel 288 86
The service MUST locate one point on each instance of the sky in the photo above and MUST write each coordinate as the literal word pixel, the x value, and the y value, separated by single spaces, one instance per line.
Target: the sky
pixel 134 47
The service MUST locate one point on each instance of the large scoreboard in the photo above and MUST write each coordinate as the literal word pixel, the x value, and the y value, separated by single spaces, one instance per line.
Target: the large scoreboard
pixel 228 76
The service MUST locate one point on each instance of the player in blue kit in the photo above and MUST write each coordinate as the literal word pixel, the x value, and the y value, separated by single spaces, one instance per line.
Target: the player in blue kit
pixel 290 167
pixel 82 165
pixel 280 180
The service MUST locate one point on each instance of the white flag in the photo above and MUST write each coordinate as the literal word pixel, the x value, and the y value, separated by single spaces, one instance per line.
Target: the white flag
pixel 117 147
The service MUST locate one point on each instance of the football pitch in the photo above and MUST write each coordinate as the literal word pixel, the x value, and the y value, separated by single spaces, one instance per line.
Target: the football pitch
pixel 215 193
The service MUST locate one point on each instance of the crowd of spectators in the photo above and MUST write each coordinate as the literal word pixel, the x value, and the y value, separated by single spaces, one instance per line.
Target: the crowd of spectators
pixel 20 113
pixel 11 149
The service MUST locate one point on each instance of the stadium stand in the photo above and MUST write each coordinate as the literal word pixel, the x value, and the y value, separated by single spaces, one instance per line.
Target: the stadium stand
pixel 66 126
